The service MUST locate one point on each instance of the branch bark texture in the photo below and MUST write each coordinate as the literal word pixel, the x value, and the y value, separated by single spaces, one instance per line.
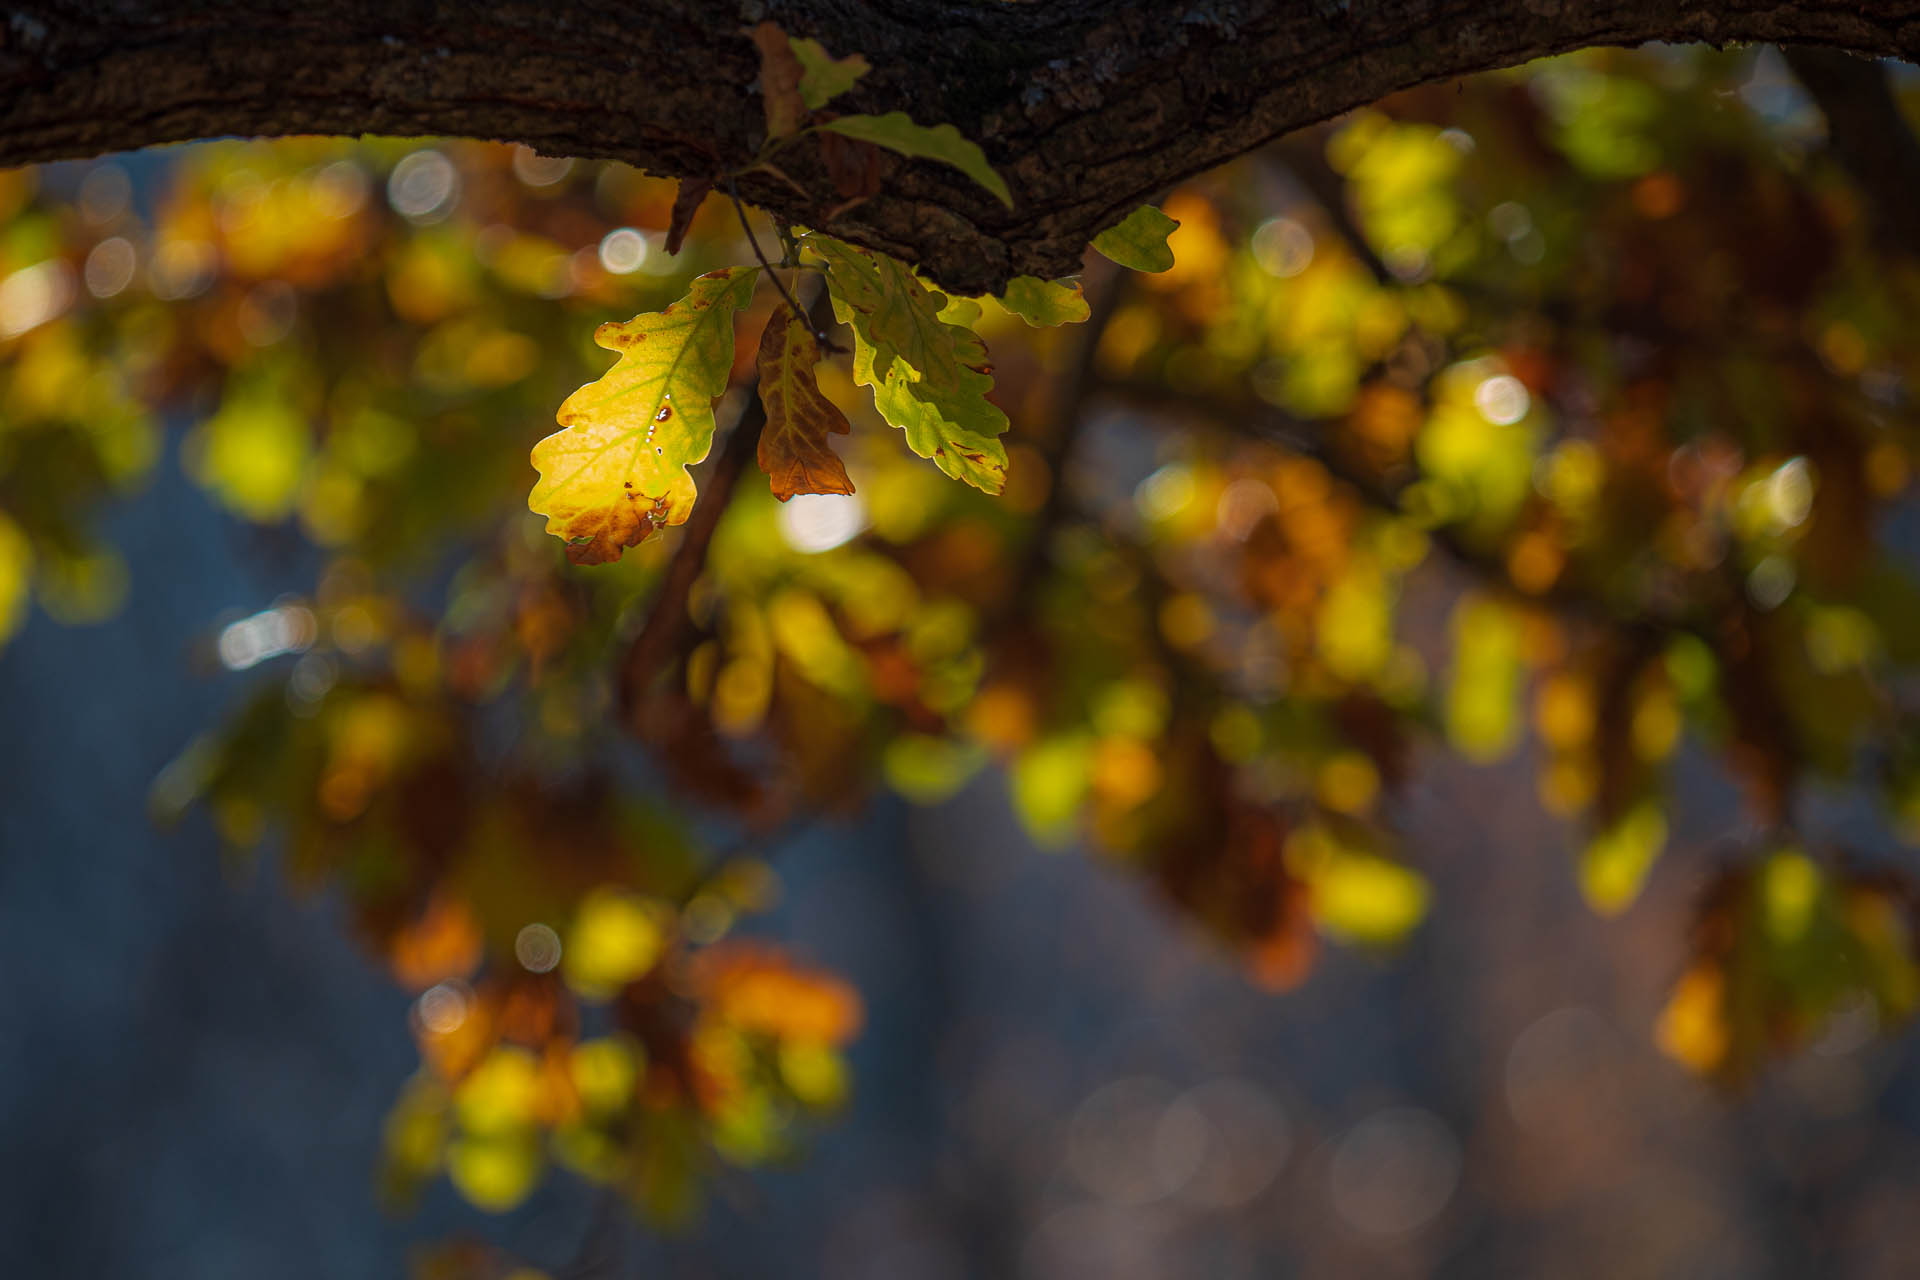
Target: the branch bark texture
pixel 1087 107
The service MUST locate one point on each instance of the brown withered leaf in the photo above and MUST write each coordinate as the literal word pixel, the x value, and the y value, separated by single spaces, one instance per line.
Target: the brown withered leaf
pixel 793 445
pixel 693 192
pixel 856 168
pixel 780 76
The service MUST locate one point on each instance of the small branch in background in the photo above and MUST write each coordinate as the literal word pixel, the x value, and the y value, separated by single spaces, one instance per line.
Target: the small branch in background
pixel 1868 134
pixel 668 625
pixel 1303 158
pixel 1105 285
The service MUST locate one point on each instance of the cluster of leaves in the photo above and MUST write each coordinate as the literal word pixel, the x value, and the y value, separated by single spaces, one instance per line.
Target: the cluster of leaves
pixel 620 469
pixel 1577 400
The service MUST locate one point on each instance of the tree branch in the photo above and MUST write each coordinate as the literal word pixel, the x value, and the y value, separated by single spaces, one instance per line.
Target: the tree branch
pixel 1869 135
pixel 1086 106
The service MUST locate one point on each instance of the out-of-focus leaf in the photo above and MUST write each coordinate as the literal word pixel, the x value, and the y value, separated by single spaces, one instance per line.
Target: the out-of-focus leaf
pixel 16 575
pixel 618 470
pixel 824 77
pixel 494 1173
pixel 1050 781
pixel 616 938
pixel 780 75
pixel 1483 701
pixel 1615 863
pixel 253 452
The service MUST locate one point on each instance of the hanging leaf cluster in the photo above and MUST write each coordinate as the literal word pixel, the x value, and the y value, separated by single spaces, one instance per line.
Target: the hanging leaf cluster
pixel 617 472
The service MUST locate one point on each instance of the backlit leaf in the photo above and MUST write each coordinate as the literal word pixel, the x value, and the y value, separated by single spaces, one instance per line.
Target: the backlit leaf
pixel 16 572
pixel 825 77
pixel 896 132
pixel 1044 303
pixel 929 378
pixel 793 444
pixel 619 469
pixel 965 311
pixel 891 311
pixel 958 428
pixel 1139 240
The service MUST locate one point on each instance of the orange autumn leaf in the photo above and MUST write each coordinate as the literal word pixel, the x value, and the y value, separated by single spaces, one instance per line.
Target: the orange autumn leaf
pixel 793 444
pixel 758 990
pixel 443 943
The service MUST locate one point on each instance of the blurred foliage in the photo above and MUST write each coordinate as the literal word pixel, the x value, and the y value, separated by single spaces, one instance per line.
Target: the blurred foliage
pixel 1566 410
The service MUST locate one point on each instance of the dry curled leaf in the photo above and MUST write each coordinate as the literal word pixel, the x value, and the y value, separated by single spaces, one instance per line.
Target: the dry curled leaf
pixel 793 445
pixel 855 168
pixel 780 76
pixel 692 193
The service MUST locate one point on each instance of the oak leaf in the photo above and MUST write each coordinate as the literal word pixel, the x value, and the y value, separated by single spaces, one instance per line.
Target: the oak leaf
pixel 825 77
pixel 896 131
pixel 1044 303
pixel 888 308
pixel 780 77
pixel 619 469
pixel 956 427
pixel 793 444
pixel 1139 240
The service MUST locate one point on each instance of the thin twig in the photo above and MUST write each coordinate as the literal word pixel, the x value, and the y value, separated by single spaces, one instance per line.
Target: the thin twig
pixel 1868 134
pixel 773 275
pixel 1067 411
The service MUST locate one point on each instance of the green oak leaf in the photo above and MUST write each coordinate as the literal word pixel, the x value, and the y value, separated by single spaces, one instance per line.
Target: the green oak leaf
pixel 896 132
pixel 962 311
pixel 888 308
pixel 958 428
pixel 1044 303
pixel 1139 240
pixel 825 77
pixel 618 470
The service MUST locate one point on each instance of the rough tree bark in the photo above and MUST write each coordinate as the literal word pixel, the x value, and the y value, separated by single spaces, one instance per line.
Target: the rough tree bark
pixel 1086 106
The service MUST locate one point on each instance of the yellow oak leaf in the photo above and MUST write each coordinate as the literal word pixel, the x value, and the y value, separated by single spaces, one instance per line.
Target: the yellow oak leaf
pixel 618 471
pixel 793 444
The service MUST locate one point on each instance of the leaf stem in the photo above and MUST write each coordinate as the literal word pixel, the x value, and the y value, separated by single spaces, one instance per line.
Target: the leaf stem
pixel 733 193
